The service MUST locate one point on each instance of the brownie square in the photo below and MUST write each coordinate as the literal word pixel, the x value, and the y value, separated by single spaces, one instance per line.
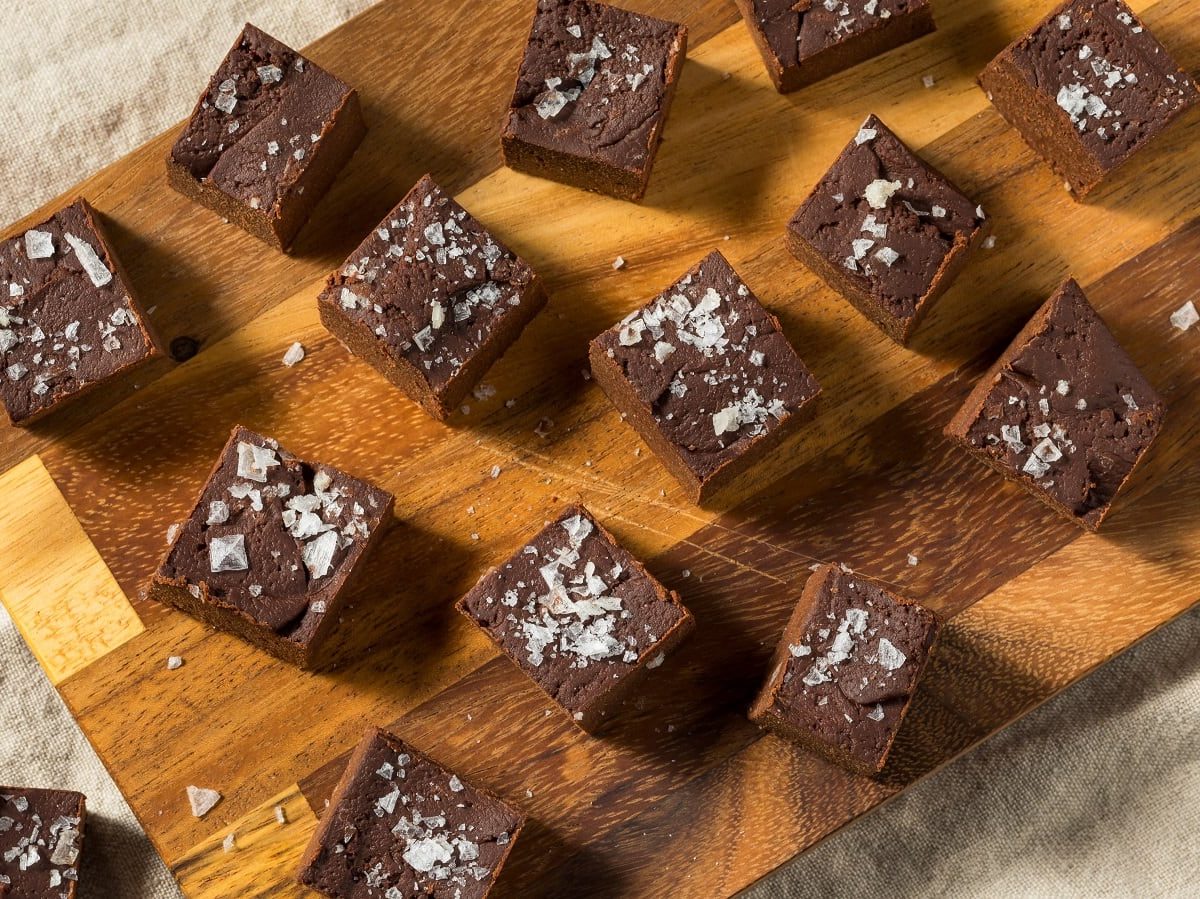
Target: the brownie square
pixel 431 299
pixel 68 317
pixel 1087 88
pixel 41 838
pixel 271 548
pixel 806 41
pixel 886 230
pixel 592 96
pixel 1064 412
pixel 706 376
pixel 579 615
pixel 845 672
pixel 399 824
pixel 266 139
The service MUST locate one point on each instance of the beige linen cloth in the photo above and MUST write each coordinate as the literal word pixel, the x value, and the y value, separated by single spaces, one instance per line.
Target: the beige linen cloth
pixel 1095 794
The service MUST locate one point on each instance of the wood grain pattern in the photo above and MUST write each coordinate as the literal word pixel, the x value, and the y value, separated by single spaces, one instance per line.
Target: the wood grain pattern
pixel 261 843
pixel 684 796
pixel 54 584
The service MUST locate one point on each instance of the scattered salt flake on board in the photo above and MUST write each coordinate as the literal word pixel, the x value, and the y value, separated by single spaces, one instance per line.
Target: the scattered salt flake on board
pixel 989 242
pixel 1185 316
pixel 202 800
pixel 656 661
pixel 229 843
pixel 912 560
pixel 280 815
pixel 495 472
pixel 174 663
pixel 928 81
pixel 619 263
pixel 294 354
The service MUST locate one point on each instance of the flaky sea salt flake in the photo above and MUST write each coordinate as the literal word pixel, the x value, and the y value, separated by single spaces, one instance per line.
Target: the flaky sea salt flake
pixel 1185 316
pixel 294 354
pixel 228 553
pixel 39 244
pixel 890 658
pixel 317 554
pixel 90 260
pixel 879 192
pixel 202 800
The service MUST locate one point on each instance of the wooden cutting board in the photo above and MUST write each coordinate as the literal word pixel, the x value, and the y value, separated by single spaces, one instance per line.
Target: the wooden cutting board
pixel 685 797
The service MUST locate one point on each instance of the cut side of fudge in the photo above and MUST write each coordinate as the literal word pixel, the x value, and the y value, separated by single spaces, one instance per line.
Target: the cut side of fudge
pixel 267 138
pixel 271 548
pixel 706 376
pixel 1087 88
pixel 886 230
pixel 401 825
pixel 41 840
pixel 579 615
pixel 845 672
pixel 431 299
pixel 69 320
pixel 1064 412
pixel 804 41
pixel 592 96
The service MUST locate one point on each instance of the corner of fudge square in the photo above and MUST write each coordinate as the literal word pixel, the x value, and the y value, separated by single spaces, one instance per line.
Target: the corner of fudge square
pixel 706 377
pixel 886 230
pixel 846 669
pixel 1065 413
pixel 266 139
pixel 272 548
pixel 431 299
pixel 41 843
pixel 1088 88
pixel 804 41
pixel 400 824
pixel 592 96
pixel 69 319
pixel 579 616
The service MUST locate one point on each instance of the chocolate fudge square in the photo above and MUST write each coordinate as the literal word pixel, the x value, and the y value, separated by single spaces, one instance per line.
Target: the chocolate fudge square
pixel 41 838
pixel 592 96
pixel 68 317
pixel 804 41
pixel 399 825
pixel 706 376
pixel 886 230
pixel 1088 88
pixel 845 672
pixel 431 299
pixel 271 549
pixel 579 615
pixel 1064 412
pixel 266 139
